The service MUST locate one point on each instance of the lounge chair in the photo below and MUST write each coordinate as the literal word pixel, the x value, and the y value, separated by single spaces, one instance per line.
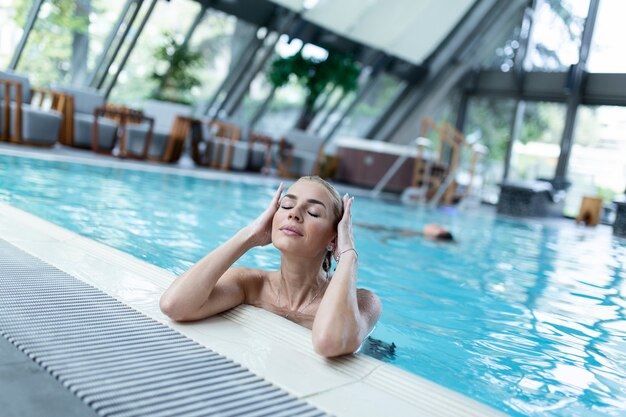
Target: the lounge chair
pixel 28 121
pixel 171 125
pixel 81 117
pixel 254 154
pixel 259 153
pixel 217 149
pixel 125 117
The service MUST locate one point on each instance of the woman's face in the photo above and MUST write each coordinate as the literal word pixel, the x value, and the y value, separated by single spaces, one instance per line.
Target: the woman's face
pixel 304 222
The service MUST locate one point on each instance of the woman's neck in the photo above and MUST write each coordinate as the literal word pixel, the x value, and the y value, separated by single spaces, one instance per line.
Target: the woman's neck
pixel 300 279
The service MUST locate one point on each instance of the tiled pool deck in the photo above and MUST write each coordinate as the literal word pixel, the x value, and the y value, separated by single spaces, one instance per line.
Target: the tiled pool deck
pixel 268 345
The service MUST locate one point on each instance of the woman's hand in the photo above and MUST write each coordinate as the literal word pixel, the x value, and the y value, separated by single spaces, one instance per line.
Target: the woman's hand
pixel 345 238
pixel 261 228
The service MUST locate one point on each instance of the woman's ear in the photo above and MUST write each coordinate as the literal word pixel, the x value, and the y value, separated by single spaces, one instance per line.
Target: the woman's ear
pixel 332 244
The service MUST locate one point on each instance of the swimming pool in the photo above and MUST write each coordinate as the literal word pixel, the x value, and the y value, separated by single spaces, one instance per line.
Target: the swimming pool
pixel 527 318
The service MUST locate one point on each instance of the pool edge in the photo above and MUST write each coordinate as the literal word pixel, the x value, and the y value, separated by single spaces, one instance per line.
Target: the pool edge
pixel 267 344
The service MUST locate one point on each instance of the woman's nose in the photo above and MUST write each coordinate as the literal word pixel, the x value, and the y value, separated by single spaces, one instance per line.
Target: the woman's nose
pixel 293 214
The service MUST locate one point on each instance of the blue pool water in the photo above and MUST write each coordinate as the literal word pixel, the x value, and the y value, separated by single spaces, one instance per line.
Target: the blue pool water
pixel 525 317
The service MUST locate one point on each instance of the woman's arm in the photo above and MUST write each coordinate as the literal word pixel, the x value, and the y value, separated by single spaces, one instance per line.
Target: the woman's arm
pixel 346 315
pixel 210 287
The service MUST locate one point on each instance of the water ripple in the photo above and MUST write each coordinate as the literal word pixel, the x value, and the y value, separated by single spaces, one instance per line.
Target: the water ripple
pixel 529 318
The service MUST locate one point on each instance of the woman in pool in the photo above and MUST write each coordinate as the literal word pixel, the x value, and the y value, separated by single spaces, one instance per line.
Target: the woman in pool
pixel 308 225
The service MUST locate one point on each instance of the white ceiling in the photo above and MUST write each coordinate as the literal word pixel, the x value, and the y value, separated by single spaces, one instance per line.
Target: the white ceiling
pixel 407 29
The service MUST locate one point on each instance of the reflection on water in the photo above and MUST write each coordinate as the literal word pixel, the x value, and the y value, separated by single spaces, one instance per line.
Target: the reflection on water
pixel 526 317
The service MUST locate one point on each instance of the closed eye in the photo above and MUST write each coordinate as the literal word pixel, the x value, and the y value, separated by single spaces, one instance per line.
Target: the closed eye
pixel 313 214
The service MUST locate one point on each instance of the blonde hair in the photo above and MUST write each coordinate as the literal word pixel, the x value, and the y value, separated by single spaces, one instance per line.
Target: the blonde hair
pixel 337 207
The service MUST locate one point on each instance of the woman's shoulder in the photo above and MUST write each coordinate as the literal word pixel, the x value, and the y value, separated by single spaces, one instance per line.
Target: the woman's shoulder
pixel 368 300
pixel 250 276
pixel 366 294
pixel 252 280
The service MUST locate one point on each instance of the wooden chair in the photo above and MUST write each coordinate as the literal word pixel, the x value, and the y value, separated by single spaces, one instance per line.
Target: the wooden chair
pixel 171 126
pixel 260 153
pixel 29 116
pixel 83 120
pixel 123 116
pixel 218 145
pixel 590 211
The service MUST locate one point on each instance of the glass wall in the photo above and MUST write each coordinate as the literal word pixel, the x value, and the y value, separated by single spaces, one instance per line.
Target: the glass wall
pixel 489 123
pixel 260 87
pixel 536 150
pixel 503 57
pixel 597 165
pixel 13 15
pixel 556 34
pixel 67 39
pixel 220 39
pixel 371 106
pixel 165 29
pixel 607 45
pixel 286 105
pixel 338 105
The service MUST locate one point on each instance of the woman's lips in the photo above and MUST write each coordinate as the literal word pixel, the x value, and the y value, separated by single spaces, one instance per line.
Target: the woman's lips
pixel 290 231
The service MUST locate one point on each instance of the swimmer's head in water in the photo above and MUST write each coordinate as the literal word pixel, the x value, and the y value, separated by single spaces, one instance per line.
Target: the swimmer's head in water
pixel 445 236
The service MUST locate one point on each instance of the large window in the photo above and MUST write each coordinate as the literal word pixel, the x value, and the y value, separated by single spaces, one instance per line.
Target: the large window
pixel 168 23
pixel 13 14
pixel 338 105
pixel 536 152
pixel 373 104
pixel 221 40
pixel 502 56
pixel 67 39
pixel 597 166
pixel 489 123
pixel 260 87
pixel 607 45
pixel 286 105
pixel 556 34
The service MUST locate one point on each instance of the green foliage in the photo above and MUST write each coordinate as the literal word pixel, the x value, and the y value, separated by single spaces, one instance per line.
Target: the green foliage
pixel 340 70
pixel 48 53
pixel 572 22
pixel 62 14
pixel 606 194
pixel 588 127
pixel 492 118
pixel 543 122
pixel 177 80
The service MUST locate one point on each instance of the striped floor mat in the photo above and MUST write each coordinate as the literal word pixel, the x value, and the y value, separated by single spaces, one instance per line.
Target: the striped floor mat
pixel 118 361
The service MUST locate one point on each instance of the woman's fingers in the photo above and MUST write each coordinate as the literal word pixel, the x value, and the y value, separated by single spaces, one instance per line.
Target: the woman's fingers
pixel 347 207
pixel 345 239
pixel 279 192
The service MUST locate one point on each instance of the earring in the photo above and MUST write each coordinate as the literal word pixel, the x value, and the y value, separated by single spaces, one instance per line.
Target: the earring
pixel 329 248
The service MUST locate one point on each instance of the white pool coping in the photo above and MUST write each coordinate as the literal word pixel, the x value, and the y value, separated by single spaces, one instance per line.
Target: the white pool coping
pixel 270 346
